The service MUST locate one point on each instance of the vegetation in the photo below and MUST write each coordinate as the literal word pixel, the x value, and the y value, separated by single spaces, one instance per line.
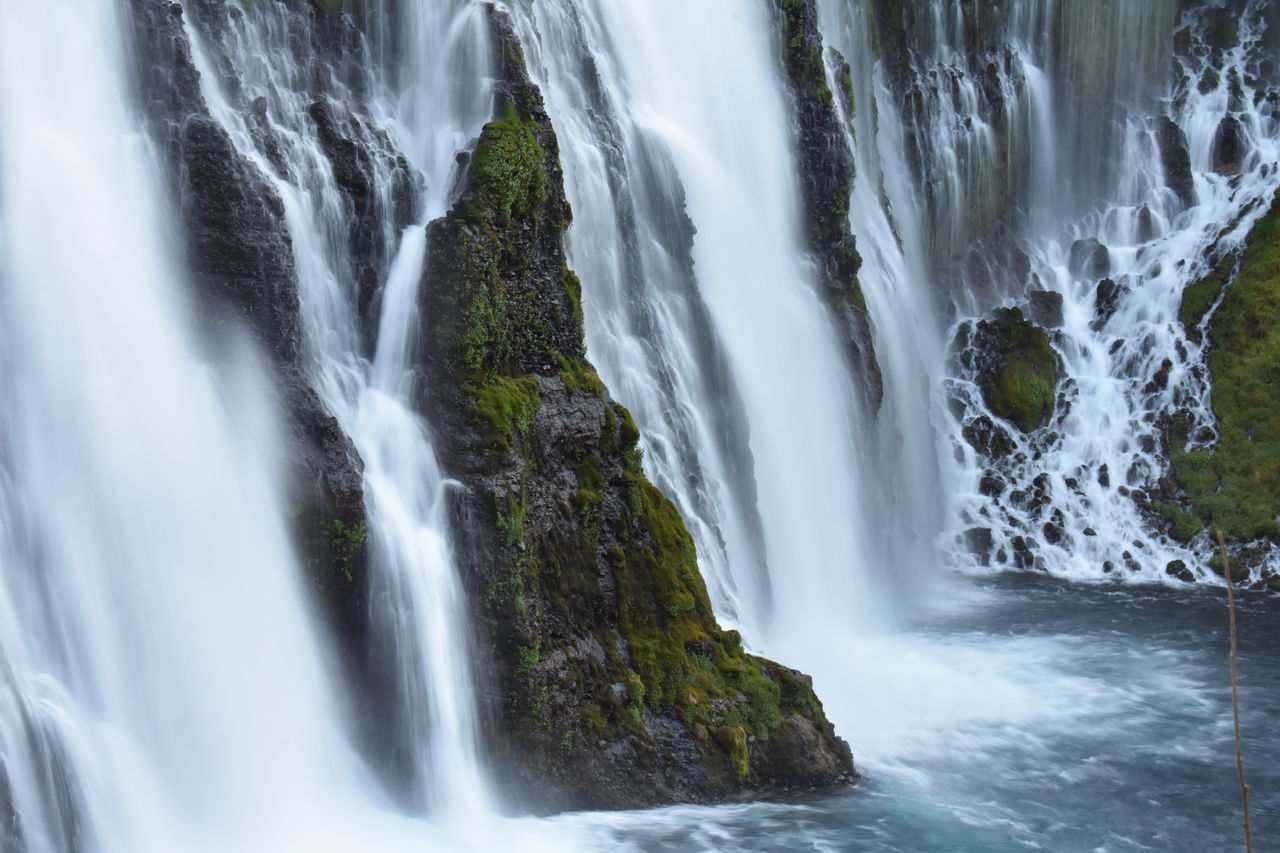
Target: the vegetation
pixel 1019 383
pixel 599 615
pixel 1236 485
pixel 508 405
pixel 507 172
pixel 1199 297
pixel 346 540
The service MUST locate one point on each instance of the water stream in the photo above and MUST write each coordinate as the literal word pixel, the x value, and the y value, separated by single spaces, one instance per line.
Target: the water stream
pixel 163 683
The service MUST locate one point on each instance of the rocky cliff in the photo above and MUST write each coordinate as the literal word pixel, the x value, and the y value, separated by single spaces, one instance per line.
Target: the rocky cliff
pixel 610 683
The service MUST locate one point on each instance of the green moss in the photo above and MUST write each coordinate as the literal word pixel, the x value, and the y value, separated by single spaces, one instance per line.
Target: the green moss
pixel 680 655
pixel 507 171
pixel 802 55
pixel 1023 394
pixel 1020 385
pixel 1183 526
pixel 511 521
pixel 346 540
pixel 1199 297
pixel 579 375
pixel 844 76
pixel 529 657
pixel 508 405
pixel 733 740
pixel 1236 485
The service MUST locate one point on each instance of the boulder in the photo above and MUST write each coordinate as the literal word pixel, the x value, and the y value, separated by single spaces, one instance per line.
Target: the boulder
pixel 1017 370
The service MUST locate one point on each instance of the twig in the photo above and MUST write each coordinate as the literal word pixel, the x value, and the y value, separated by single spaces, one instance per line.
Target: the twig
pixel 1235 693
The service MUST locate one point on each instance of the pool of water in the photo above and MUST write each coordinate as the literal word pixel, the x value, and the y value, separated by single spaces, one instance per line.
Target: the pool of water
pixel 1032 714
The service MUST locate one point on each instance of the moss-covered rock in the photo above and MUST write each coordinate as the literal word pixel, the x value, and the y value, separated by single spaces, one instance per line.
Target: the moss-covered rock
pixel 1017 370
pixel 825 163
pixel 1235 485
pixel 609 683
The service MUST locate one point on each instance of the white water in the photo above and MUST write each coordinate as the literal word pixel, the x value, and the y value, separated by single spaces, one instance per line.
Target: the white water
pixel 416 603
pixel 162 687
pixel 1110 422
pixel 144 560
pixel 159 667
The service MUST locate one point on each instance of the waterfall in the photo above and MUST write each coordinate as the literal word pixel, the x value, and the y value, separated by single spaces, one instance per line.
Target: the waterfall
pixel 168 682
pixel 416 600
pixel 1074 500
pixel 160 687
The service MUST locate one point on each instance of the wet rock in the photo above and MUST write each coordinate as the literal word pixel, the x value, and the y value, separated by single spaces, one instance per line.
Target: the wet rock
pixel 1160 380
pixel 978 540
pixel 1178 569
pixel 1039 494
pixel 1104 476
pixel 1089 531
pixel 1046 308
pixel 1239 571
pixel 1052 532
pixel 1017 370
pixel 988 438
pixel 1176 159
pixel 1023 555
pixel 1145 229
pixel 1089 259
pixel 1229 146
pixel 826 172
pixel 991 484
pixel 607 682
pixel 362 158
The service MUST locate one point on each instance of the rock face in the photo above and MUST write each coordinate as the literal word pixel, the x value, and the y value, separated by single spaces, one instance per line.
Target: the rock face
pixel 609 682
pixel 1016 368
pixel 826 176
pixel 241 259
pixel 1229 146
pixel 1176 160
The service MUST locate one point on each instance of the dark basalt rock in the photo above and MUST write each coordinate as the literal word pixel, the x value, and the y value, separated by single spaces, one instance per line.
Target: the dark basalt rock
pixel 1176 159
pixel 1089 259
pixel 608 683
pixel 352 144
pixel 1106 299
pixel 826 179
pixel 1229 146
pixel 988 438
pixel 978 541
pixel 1023 553
pixel 1046 308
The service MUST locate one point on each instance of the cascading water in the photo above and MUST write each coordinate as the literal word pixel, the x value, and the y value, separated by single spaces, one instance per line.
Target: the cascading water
pixel 416 600
pixel 1074 500
pixel 161 686
pixel 780 353
pixel 145 559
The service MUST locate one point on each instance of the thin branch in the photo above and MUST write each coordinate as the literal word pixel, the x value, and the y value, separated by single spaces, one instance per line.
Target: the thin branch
pixel 1235 693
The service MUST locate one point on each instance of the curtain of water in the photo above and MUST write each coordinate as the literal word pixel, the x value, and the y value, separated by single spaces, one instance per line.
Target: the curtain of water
pixel 700 104
pixel 159 684
pixel 435 100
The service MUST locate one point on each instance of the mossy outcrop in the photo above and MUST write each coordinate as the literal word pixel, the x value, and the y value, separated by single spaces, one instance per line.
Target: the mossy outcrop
pixel 1016 368
pixel 826 170
pixel 608 683
pixel 1235 485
